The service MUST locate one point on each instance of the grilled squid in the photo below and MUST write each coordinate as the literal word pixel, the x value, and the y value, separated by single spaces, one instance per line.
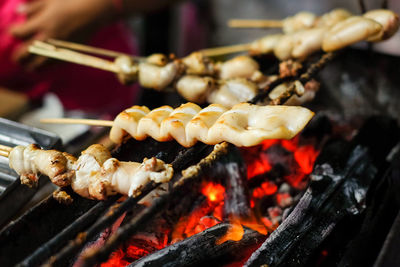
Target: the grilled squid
pixel 239 67
pixel 330 32
pixel 232 92
pixel 195 88
pixel 29 161
pixel 98 175
pixel 198 64
pixel 242 125
pixel 350 31
pixel 155 76
pixel 95 174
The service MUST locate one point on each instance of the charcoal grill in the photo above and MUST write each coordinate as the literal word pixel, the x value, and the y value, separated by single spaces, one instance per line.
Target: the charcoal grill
pixel 59 223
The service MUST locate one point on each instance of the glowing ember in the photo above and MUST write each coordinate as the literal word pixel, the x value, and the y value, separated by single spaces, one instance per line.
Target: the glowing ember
pixel 305 157
pixel 206 215
pixel 234 233
pixel 258 167
pixel 277 170
pixel 116 259
pixel 214 192
pixel 266 188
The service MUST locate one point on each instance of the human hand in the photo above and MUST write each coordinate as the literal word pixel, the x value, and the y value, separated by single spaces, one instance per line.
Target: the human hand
pixel 58 19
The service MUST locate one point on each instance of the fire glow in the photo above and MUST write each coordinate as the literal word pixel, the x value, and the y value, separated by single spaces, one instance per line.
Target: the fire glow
pixel 267 198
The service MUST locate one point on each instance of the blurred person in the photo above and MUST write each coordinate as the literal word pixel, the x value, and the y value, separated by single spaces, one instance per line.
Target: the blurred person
pixel 95 22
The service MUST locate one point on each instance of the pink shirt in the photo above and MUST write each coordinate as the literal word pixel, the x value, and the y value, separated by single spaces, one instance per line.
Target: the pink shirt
pixel 78 87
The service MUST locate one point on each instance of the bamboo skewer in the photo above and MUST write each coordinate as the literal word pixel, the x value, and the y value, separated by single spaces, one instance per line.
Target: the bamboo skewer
pixel 254 23
pixel 48 50
pixel 86 48
pixel 5 148
pixel 103 123
pixel 91 49
pixel 217 51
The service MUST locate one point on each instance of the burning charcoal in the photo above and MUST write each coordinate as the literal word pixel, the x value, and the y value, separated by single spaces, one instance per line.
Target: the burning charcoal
pixel 237 203
pixel 284 188
pixel 284 200
pixel 343 173
pixel 275 215
pixel 200 248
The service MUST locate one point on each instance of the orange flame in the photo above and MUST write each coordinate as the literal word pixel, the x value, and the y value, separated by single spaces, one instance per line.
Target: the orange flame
pixel 214 192
pixel 234 233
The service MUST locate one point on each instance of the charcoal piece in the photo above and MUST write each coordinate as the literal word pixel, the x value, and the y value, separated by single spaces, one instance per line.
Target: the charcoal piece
pixel 389 255
pixel 36 227
pixel 231 171
pixel 200 248
pixel 381 213
pixel 49 248
pixel 70 251
pixel 237 202
pixel 133 150
pixel 341 177
pixel 319 127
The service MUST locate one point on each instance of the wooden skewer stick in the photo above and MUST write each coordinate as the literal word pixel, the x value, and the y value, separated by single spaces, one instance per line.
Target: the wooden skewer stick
pixel 4 153
pixel 223 50
pixel 91 49
pixel 44 49
pixel 103 123
pixel 5 148
pixel 254 23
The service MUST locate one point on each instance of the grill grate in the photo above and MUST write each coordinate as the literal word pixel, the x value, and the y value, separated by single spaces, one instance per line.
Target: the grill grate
pixel 13 196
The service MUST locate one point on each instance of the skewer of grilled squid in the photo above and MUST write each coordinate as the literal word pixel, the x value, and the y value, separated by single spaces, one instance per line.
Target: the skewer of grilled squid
pixel 242 125
pixel 373 26
pixel 332 32
pixel 95 174
pixel 300 21
pixel 221 83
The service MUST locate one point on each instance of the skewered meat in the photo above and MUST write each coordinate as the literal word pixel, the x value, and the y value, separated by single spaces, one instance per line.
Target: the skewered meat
pixel 388 19
pixel 198 64
pixel 157 77
pixel 128 70
pixel 232 92
pixel 289 68
pixel 307 42
pixel 98 175
pixel 157 59
pixel 127 121
pixel 331 18
pixel 200 125
pixel 350 31
pixel 265 45
pixel 239 67
pixel 333 31
pixel 310 89
pixel 88 163
pixel 93 175
pixel 29 161
pixel 248 125
pixel 243 125
pixel 300 21
pixel 195 88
